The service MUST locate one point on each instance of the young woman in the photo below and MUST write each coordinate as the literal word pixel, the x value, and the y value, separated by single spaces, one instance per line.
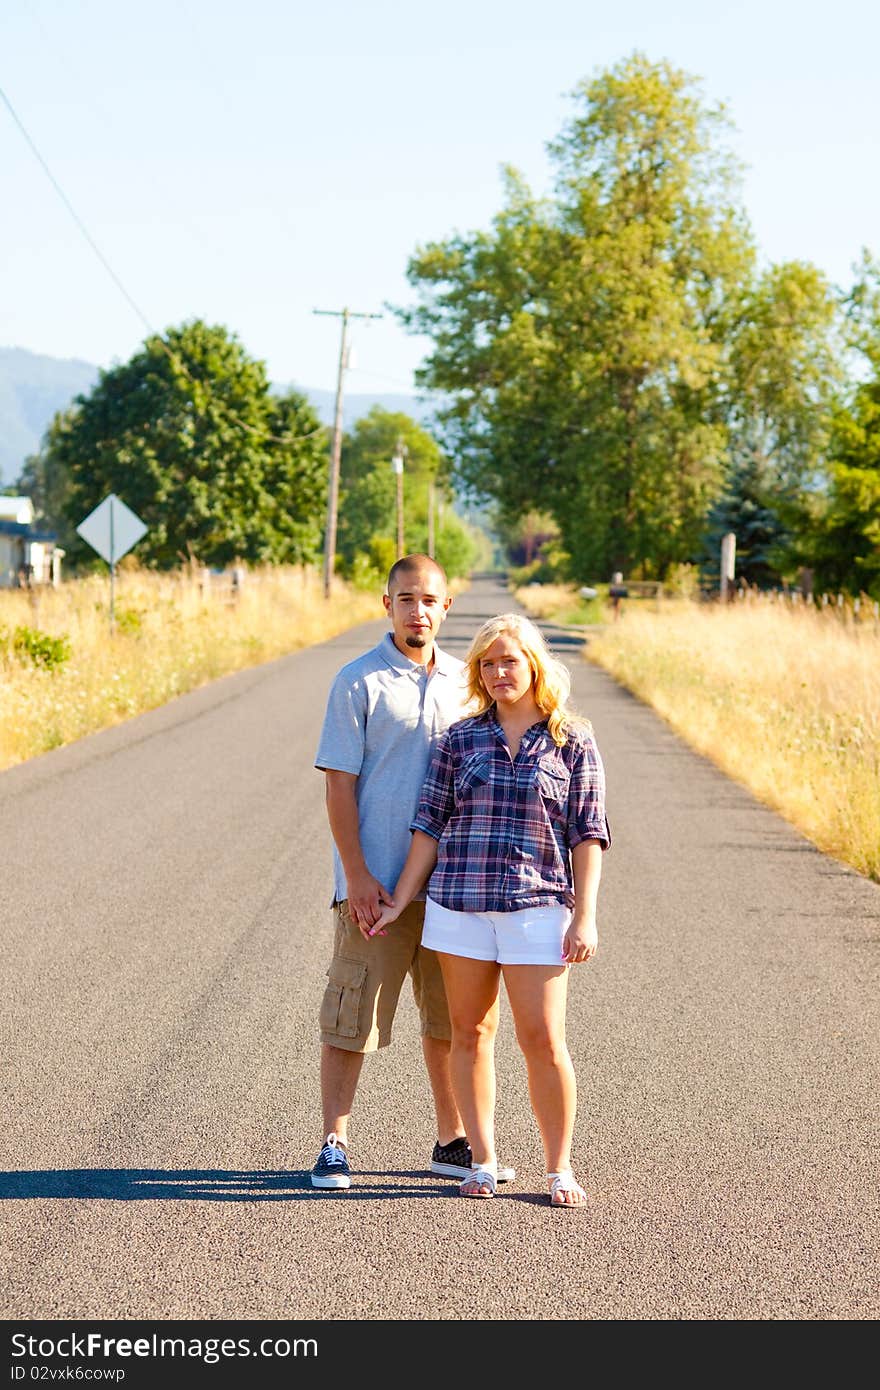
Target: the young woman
pixel 509 836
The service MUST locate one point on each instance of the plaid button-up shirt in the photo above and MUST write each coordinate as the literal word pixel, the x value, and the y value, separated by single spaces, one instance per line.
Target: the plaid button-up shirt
pixel 506 826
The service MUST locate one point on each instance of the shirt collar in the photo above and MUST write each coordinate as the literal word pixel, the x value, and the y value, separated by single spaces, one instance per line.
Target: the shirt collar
pixel 444 664
pixel 533 734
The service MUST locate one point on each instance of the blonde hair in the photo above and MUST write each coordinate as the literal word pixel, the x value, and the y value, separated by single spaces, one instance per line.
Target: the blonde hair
pixel 550 679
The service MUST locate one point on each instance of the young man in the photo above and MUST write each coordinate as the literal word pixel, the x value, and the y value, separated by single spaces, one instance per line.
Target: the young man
pixel 385 712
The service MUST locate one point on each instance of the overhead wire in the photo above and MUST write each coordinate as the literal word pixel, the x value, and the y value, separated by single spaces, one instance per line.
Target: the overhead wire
pixel 174 357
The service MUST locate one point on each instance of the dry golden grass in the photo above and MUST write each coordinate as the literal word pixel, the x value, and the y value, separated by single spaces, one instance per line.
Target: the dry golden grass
pixel 785 700
pixel 546 600
pixel 561 603
pixel 172 634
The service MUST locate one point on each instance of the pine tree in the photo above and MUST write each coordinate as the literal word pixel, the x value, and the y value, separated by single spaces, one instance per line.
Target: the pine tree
pixel 749 506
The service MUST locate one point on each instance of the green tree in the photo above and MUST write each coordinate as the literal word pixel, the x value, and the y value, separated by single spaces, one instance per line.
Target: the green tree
pixel 188 434
pixel 844 548
pixel 45 480
pixel 583 337
pixel 753 507
pixel 367 527
pixel 786 360
pixel 525 541
pixel 862 307
pixel 608 350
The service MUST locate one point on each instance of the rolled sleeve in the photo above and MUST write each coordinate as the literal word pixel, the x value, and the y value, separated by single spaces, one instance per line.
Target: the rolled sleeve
pixel 586 799
pixel 437 799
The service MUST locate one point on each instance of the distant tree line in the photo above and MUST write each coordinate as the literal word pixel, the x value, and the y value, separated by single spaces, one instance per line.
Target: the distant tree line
pixel 221 470
pixel 618 364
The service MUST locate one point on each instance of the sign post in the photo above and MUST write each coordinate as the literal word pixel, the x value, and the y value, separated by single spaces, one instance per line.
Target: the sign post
pixel 112 529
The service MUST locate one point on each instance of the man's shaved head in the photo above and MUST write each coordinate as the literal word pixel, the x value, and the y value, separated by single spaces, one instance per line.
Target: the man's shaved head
pixel 410 564
pixel 417 601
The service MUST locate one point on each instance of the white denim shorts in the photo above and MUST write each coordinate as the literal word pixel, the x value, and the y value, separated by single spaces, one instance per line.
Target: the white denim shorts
pixel 530 936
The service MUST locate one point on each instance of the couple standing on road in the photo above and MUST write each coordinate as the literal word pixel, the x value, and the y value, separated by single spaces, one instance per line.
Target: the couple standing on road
pixel 466 804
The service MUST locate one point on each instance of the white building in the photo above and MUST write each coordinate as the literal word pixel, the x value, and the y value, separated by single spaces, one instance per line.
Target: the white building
pixel 28 555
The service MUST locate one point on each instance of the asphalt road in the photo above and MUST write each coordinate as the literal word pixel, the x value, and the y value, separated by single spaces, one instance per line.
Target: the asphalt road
pixel 165 932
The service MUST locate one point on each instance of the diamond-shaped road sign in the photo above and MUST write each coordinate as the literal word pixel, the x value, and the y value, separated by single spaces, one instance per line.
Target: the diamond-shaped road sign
pixel 112 529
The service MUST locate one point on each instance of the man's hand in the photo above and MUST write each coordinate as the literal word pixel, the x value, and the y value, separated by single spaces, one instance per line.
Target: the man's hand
pixel 365 898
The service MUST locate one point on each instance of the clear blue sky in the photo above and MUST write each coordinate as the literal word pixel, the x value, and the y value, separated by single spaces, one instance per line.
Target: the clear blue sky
pixel 248 163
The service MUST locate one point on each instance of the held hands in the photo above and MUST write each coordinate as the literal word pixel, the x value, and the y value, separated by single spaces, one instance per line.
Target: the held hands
pixel 580 941
pixel 388 914
pixel 366 897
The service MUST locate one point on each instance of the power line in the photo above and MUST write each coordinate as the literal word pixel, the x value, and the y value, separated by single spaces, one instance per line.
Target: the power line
pixel 77 219
pixel 173 356
pixel 408 386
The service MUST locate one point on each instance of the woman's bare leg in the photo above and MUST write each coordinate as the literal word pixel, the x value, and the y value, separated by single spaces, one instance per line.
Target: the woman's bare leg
pixel 472 993
pixel 537 995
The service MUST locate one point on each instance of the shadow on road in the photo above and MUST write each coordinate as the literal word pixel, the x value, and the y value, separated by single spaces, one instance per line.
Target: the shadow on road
pixel 214 1185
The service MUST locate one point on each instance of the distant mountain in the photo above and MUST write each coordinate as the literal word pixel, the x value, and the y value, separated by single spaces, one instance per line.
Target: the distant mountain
pixel 34 387
pixel 358 403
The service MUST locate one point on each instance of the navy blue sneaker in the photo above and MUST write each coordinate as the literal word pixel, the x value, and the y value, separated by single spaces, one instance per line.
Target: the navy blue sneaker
pixel 331 1169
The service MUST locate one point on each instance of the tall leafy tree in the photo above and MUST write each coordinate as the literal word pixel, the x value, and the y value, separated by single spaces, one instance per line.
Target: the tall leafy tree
pixel 583 336
pixel 611 349
pixel 188 434
pixel 786 358
pixel 845 542
pixel 847 545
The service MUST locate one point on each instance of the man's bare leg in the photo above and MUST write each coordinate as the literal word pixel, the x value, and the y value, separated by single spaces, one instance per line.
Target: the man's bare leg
pixel 340 1073
pixel 449 1122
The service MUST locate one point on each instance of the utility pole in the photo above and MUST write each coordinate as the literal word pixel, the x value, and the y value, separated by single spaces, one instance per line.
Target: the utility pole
pixel 397 463
pixel 336 451
pixel 431 518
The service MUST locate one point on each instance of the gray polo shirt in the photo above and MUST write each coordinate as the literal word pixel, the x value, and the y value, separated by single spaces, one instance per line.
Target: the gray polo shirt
pixel 384 715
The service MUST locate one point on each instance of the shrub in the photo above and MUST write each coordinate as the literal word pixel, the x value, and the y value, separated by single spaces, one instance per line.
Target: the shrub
pixel 682 581
pixel 40 648
pixel 129 620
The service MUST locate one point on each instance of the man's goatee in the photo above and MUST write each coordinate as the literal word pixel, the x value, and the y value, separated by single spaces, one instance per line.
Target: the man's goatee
pixel 415 640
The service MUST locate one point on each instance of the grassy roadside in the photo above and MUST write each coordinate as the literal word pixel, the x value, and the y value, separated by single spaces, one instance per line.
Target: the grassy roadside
pixel 785 700
pixel 173 633
pixel 564 604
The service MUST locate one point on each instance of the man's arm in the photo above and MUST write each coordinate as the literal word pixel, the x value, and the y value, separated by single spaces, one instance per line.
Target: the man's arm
pixel 365 893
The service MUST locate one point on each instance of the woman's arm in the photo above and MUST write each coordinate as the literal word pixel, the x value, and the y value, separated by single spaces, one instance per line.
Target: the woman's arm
pixel 414 875
pixel 582 937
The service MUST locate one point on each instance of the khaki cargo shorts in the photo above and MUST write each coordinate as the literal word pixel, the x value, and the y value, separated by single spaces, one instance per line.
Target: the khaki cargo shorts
pixel 365 978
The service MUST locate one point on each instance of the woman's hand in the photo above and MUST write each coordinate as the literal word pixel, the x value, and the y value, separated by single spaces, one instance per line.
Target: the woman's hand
pixel 420 861
pixel 388 913
pixel 580 941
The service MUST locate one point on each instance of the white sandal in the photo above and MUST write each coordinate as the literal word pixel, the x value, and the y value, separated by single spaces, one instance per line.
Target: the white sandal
pixel 562 1183
pixel 481 1177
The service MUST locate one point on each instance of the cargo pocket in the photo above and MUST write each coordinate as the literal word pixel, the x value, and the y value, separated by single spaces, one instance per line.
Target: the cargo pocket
pixel 341 1005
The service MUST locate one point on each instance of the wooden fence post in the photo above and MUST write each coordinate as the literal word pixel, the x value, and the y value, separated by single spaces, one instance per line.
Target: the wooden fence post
pixel 728 563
